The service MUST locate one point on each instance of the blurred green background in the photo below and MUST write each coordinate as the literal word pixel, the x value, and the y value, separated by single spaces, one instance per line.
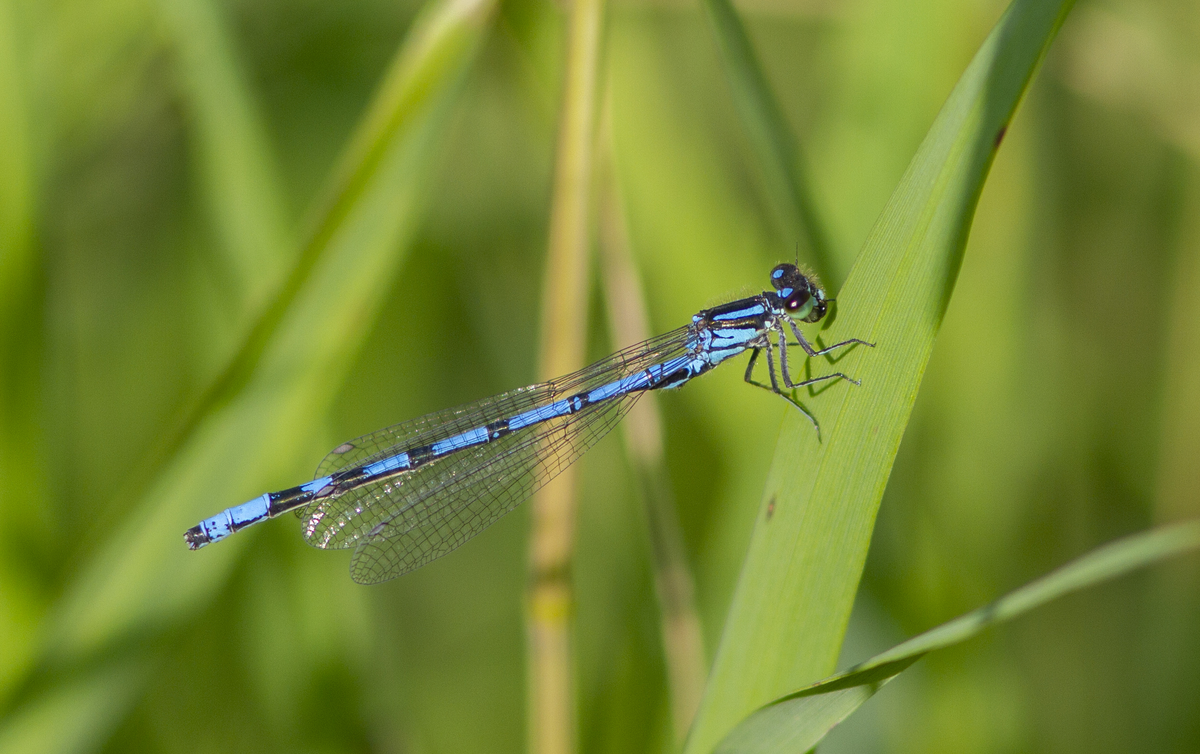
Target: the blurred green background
pixel 160 163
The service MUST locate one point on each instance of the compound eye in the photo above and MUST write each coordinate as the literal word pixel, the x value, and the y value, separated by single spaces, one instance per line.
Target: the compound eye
pixel 797 300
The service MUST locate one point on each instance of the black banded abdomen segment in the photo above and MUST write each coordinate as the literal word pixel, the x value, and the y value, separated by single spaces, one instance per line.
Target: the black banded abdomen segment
pixel 671 373
pixel 420 455
pixel 286 500
pixel 416 457
pixel 498 429
pixel 681 376
pixel 423 454
pixel 298 497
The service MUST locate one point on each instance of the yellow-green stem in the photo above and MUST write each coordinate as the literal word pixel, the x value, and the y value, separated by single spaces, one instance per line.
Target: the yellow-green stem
pixel 552 689
pixel 1180 442
pixel 1174 607
pixel 683 641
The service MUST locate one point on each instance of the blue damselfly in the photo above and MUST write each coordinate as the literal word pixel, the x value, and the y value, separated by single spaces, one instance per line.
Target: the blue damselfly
pixel 408 494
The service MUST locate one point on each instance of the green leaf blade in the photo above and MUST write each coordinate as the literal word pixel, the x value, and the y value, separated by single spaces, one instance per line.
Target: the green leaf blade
pixel 26 534
pixel 801 719
pixel 797 586
pixel 778 150
pixel 77 715
pixel 142 575
pixel 242 185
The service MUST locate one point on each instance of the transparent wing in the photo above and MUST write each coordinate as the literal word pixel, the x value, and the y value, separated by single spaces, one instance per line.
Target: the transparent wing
pixel 461 505
pixel 432 427
pixel 427 429
pixel 439 505
pixel 342 521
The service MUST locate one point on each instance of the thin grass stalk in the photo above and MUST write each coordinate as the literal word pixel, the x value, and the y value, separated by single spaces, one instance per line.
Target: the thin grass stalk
pixel 1136 88
pixel 683 640
pixel 564 323
pixel 413 81
pixel 20 305
pixel 242 189
pixel 140 579
pixel 233 153
pixel 775 146
pixel 28 547
pixel 140 575
pixel 1178 484
pixel 1174 605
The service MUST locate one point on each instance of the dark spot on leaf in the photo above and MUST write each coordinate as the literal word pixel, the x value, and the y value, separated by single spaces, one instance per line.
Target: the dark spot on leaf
pixel 771 508
pixel 1000 136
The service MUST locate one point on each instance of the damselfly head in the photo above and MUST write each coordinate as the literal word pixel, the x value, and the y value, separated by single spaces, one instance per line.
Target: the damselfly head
pixel 799 292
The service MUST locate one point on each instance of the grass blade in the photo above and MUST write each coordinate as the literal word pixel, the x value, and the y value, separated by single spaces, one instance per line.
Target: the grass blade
pixel 257 428
pixel 563 340
pixel 776 147
pixel 797 585
pixel 1174 611
pixel 629 323
pixel 25 530
pixel 76 716
pixel 232 150
pixel 797 721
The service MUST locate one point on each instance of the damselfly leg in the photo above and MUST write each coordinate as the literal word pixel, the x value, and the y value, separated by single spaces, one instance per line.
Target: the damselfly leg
pixel 774 386
pixel 808 349
pixel 785 372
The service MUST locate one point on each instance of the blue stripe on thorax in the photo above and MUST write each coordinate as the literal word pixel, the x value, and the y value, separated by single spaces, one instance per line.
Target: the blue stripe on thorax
pixel 724 337
pixel 754 309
